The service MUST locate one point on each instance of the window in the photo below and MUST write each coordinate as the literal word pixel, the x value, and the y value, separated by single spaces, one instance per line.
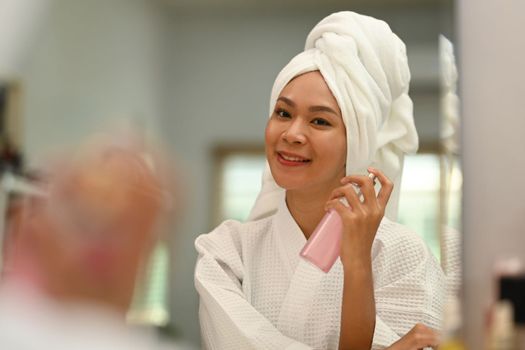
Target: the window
pixel 241 182
pixel 419 204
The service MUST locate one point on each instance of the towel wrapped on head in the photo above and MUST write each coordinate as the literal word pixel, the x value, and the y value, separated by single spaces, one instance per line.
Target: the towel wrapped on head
pixel 365 66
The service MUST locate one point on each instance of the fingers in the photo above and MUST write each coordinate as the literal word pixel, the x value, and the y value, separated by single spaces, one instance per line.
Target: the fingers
pixel 419 337
pixel 369 203
pixel 349 193
pixel 365 184
pixel 423 336
pixel 387 187
pixel 337 206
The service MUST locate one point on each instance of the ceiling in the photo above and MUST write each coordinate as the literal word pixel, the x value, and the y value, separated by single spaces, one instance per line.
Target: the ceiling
pixel 278 5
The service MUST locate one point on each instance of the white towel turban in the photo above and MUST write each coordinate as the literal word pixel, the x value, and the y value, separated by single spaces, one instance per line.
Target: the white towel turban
pixel 449 98
pixel 365 66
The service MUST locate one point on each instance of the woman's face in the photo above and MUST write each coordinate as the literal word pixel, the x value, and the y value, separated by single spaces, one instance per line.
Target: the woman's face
pixel 305 136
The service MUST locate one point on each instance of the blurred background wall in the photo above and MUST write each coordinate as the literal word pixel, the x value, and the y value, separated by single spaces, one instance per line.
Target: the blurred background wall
pixel 92 61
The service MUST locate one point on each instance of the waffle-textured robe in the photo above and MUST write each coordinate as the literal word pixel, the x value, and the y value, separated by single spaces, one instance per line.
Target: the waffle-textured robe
pixel 257 293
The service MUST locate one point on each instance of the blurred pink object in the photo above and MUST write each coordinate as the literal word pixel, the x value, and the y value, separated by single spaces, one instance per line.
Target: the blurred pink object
pixel 323 247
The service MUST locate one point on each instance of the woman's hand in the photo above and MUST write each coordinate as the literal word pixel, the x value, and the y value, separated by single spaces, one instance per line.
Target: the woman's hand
pixel 360 219
pixel 360 222
pixel 419 337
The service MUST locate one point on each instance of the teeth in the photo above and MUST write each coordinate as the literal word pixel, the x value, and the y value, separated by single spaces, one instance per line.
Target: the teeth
pixel 293 159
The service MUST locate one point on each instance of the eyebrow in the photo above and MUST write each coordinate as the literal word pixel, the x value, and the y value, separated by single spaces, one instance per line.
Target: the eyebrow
pixel 311 109
pixel 287 101
pixel 323 109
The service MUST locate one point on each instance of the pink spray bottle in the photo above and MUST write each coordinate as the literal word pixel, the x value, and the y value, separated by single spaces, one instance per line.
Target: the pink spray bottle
pixel 324 245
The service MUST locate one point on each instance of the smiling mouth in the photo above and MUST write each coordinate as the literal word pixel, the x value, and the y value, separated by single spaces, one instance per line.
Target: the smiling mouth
pixel 287 159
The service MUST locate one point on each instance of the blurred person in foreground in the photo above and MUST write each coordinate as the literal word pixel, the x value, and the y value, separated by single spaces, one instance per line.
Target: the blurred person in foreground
pixel 76 246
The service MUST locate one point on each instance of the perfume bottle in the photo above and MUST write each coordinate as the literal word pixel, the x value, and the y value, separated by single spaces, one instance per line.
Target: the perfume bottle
pixel 324 245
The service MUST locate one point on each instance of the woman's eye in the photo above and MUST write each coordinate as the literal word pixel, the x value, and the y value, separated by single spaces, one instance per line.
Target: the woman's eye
pixel 321 122
pixel 282 113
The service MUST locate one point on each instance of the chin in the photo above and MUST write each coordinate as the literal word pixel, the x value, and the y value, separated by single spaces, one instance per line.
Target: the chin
pixel 289 182
pixel 292 179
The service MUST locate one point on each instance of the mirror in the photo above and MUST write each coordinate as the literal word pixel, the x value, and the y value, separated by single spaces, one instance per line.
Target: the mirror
pixel 243 47
pixel 198 74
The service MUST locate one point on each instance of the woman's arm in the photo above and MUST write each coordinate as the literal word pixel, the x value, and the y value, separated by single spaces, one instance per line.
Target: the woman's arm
pixel 409 285
pixel 361 220
pixel 358 308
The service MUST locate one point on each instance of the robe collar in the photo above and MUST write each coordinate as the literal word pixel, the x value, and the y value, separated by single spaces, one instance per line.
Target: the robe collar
pixel 289 236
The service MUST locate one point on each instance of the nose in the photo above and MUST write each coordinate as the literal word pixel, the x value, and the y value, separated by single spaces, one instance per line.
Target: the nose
pixel 295 132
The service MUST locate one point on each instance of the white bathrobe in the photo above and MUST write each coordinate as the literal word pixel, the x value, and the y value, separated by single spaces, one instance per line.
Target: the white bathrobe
pixel 257 293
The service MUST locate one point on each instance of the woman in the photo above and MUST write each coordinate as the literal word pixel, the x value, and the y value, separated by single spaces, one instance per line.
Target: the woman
pixel 336 109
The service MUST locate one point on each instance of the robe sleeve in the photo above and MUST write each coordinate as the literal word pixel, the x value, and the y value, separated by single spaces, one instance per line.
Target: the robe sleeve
pixel 409 287
pixel 227 319
pixel 304 285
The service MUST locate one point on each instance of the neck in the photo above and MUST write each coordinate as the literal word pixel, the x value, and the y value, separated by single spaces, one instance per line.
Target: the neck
pixel 307 208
